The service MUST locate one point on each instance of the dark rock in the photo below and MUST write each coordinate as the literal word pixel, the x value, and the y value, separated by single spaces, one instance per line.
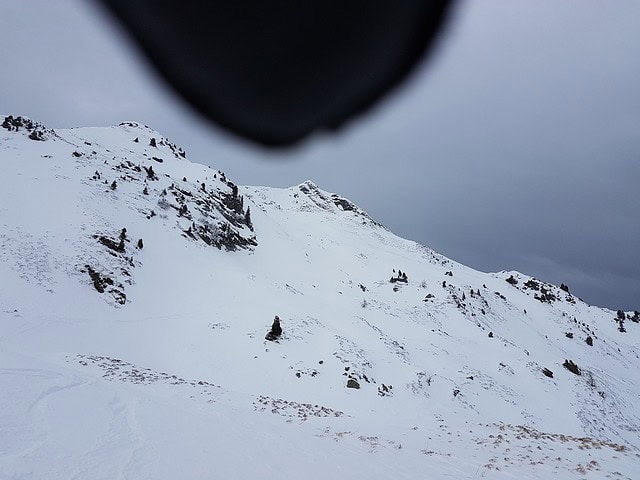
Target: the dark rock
pixel 36 131
pixel 111 244
pixel 572 367
pixel 352 383
pixel 100 282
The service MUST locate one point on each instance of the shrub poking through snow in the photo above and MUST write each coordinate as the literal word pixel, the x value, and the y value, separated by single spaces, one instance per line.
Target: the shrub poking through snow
pixel 620 317
pixel 401 277
pixel 247 219
pixel 385 390
pixel 151 175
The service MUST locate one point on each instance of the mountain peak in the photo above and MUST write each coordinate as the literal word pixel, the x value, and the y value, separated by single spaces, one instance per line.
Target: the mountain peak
pixel 333 202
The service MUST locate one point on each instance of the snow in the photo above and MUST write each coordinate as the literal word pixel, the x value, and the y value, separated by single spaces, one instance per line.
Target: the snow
pixel 178 380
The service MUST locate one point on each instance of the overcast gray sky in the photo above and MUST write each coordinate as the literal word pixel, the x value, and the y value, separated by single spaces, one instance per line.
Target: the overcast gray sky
pixel 516 147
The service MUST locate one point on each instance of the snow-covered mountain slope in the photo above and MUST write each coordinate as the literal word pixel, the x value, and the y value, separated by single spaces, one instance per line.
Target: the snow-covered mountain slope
pixel 140 353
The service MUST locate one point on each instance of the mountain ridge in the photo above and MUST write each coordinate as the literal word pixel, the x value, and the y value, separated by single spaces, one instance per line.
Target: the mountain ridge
pixel 451 365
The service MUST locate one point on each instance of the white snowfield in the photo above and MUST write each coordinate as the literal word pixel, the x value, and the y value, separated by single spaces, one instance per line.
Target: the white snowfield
pixel 122 359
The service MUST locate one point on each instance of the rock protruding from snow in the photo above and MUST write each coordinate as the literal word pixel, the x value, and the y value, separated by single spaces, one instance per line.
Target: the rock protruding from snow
pixel 333 202
pixel 36 131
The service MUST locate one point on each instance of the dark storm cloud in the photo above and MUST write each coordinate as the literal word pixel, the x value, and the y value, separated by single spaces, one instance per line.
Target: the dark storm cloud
pixel 517 147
